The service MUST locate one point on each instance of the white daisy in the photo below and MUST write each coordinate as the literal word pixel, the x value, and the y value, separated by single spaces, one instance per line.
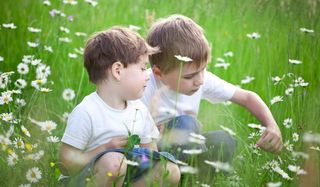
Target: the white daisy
pixel 70 2
pixel 53 139
pixel 130 162
pixel 7 117
pixel 287 122
pixel 247 80
pixel 20 83
pixel 43 71
pixel 6 97
pixel 65 39
pixel 23 68
pixel 304 30
pixel 254 35
pixel 34 30
pixel 1 59
pixel 188 169
pixel 64 29
pixel 297 170
pixel 288 146
pixel 92 2
pixel 289 91
pixel 68 94
pixel 35 62
pixel 12 159
pixel 300 154
pixel 32 44
pixel 231 132
pixel 48 48
pixel 282 173
pixel 291 61
pixel 192 151
pixel 274 184
pixel 9 25
pixel 47 2
pixel 134 27
pixel 276 99
pixel 183 58
pixel 220 166
pixel 72 55
pixel 80 34
pixel 18 143
pixel 222 65
pixel 24 185
pixel 33 175
pixel 295 137
pixel 25 131
pixel 79 51
pixel 196 138
pixel 27 59
pixel 312 138
pixel 315 148
pixel 229 54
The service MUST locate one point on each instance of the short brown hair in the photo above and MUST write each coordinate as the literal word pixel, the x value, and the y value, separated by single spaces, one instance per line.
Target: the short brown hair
pixel 177 35
pixel 115 44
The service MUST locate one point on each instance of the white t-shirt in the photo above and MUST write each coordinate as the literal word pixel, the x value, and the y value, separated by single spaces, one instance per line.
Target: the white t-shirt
pixel 93 123
pixel 164 104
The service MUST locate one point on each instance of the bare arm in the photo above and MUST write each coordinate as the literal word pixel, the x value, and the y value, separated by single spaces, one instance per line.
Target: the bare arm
pixel 73 159
pixel 271 139
pixel 152 145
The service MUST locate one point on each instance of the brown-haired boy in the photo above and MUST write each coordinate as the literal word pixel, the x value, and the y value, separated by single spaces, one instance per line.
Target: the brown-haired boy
pixel 97 129
pixel 179 81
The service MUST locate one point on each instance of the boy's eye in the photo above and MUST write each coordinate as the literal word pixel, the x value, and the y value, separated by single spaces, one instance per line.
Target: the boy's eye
pixel 188 77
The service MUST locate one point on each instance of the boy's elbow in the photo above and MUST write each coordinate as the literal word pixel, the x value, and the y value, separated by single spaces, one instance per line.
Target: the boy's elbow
pixel 67 157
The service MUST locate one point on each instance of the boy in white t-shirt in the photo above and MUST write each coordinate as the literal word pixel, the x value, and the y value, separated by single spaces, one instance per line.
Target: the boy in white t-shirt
pixel 93 144
pixel 179 81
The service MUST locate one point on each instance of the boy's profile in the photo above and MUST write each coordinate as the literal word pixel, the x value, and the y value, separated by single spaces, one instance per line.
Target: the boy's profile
pixel 97 129
pixel 177 86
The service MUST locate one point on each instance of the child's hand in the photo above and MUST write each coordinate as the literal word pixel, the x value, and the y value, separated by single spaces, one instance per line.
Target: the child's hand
pixel 117 142
pixel 271 139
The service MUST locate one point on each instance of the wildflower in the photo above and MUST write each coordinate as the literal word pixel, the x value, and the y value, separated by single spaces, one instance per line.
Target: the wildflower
pixel 134 28
pixel 255 149
pixel 20 83
pixel 227 103
pixel 289 91
pixel 80 34
pixel 188 169
pixel 45 90
pixel 37 83
pixel 72 55
pixel 52 164
pixel 297 170
pixel 229 53
pixel 291 61
pixel 7 117
pixel 35 62
pixel 5 97
pixel 29 147
pixel 92 2
pixel 247 80
pixel 33 175
pixel 276 99
pixel 53 139
pixel 300 154
pixel 70 18
pixel 288 146
pixel 295 137
pixel 131 163
pixel 32 44
pixel 282 173
pixel 254 35
pixel 192 151
pixel 70 2
pixel 179 162
pixel 183 58
pixel 68 94
pixel 45 125
pixel 300 82
pixel 18 143
pixel 287 122
pixel 256 126
pixel 25 131
pixel 109 174
pixel 304 30
pixel 315 148
pixel 47 2
pixel 48 48
pixel 22 68
pixel 12 159
pixel 34 30
pixel 64 29
pixel 312 138
pixel 24 185
pixel 220 166
pixel 65 39
pixel 1 58
pixel 43 71
pixel 231 132
pixel 274 184
pixel 9 25
pixel 222 65
pixel 79 51
pixel 276 79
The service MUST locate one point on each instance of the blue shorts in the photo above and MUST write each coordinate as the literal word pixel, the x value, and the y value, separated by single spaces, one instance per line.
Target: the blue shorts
pixel 145 157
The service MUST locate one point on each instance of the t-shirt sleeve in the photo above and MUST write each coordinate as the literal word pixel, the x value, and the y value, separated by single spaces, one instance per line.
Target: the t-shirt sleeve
pixel 150 131
pixel 78 130
pixel 216 90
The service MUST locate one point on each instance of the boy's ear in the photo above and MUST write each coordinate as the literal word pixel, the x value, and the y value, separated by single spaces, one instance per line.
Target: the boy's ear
pixel 156 72
pixel 116 70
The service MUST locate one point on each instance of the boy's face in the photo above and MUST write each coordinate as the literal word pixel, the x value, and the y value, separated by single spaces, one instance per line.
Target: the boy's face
pixel 190 80
pixel 134 78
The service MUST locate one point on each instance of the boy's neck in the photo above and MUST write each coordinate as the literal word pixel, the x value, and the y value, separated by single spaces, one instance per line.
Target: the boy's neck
pixel 111 97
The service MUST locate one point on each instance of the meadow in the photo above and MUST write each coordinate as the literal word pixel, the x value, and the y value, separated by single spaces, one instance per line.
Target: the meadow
pixel 271 47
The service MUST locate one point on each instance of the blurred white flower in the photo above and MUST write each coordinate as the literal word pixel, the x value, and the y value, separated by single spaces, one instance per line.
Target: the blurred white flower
pixel 12 159
pixel 68 94
pixel 254 35
pixel 53 139
pixel 291 61
pixel 188 169
pixel 287 122
pixel 48 48
pixel 247 80
pixel 300 82
pixel 183 58
pixel 196 138
pixel 47 2
pixel 80 34
pixel 276 99
pixel 1 58
pixel 192 151
pixel 72 55
pixel 92 2
pixel 256 126
pixel 43 71
pixel 297 170
pixel 70 2
pixel 32 44
pixel 295 137
pixel 274 184
pixel 79 51
pixel 304 30
pixel 229 53
pixel 134 27
pixel 18 143
pixel 300 154
pixel 231 132
pixel 315 148
pixel 45 125
pixel 130 162
pixel 23 68
pixel 24 185
pixel 289 91
pixel 34 30
pixel 312 138
pixel 9 25
pixel 220 166
pixel 282 173
pixel 64 29
pixel 27 59
pixel 5 97
pixel 25 131
pixel 35 62
pixel 20 83
pixel 223 65
pixel 65 39
pixel 33 175
pixel 288 146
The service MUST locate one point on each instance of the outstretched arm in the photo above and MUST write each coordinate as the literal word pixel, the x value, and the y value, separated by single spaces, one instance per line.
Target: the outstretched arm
pixel 271 139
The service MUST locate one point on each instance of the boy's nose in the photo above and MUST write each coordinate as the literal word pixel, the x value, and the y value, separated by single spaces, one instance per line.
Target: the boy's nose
pixel 199 80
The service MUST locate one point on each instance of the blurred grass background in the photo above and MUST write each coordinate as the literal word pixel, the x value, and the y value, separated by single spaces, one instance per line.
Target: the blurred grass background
pixel 226 24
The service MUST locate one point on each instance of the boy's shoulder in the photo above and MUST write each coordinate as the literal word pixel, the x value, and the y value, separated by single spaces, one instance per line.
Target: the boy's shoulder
pixel 88 103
